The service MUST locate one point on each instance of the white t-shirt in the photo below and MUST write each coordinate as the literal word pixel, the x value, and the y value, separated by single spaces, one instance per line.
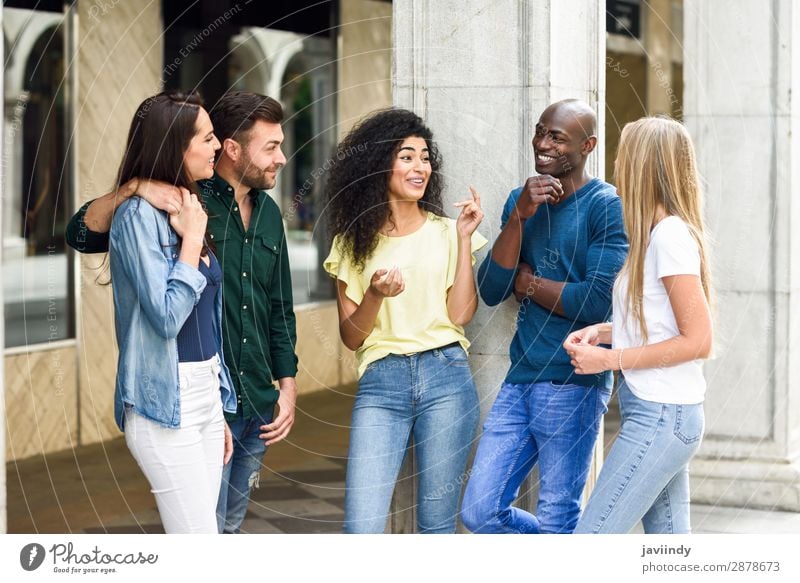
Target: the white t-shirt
pixel 672 251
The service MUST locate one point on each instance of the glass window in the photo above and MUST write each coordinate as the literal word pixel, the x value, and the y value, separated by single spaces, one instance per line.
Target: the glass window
pixel 37 187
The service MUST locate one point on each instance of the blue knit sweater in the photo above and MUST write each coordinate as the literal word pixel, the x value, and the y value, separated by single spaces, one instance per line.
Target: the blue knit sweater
pixel 580 241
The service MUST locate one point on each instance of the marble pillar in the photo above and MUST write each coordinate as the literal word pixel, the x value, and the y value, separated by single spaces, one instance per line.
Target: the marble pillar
pixel 742 73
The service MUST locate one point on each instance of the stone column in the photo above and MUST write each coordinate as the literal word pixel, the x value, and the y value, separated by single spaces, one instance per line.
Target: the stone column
pixel 364 60
pixel 480 73
pixel 122 48
pixel 3 514
pixel 658 38
pixel 742 79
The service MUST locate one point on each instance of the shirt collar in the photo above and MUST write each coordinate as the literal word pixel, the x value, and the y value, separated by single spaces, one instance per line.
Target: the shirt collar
pixel 216 185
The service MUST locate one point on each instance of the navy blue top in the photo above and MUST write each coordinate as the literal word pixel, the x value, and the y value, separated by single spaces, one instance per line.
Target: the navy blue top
pixel 581 242
pixel 196 338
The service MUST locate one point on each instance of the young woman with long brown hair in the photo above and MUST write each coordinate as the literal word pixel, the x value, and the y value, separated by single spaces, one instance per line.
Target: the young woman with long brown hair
pixel 172 383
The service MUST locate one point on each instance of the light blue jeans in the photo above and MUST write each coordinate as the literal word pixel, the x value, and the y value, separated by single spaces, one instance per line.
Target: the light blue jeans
pixel 554 425
pixel 431 397
pixel 242 472
pixel 646 475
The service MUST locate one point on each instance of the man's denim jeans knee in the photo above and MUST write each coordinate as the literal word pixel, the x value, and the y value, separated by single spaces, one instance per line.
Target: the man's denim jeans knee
pixel 554 425
pixel 242 472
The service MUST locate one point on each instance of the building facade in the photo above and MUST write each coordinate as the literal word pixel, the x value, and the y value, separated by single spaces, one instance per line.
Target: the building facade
pixel 479 72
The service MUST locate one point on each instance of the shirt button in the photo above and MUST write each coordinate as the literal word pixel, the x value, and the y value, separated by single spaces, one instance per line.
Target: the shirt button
pixel 230 189
pixel 244 340
pixel 241 373
pixel 244 274
pixel 246 240
pixel 211 235
pixel 174 255
pixel 244 307
pixel 236 208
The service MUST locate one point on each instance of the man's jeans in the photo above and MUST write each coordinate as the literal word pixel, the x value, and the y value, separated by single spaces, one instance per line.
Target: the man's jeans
pixel 555 425
pixel 241 473
pixel 646 475
pixel 430 396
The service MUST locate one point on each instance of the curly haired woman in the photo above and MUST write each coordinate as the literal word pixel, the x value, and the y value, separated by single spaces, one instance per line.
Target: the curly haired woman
pixel 405 291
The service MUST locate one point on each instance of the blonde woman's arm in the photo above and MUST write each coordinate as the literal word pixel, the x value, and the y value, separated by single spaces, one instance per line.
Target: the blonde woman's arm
pixel 591 335
pixel 694 339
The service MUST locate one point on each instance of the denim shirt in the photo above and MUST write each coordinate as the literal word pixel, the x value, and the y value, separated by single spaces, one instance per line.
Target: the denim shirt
pixel 154 294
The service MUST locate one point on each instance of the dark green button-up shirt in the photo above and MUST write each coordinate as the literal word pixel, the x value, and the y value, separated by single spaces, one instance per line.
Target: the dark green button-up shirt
pixel 259 332
pixel 258 323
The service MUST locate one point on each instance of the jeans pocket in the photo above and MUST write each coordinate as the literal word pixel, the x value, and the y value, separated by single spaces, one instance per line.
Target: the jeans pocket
pixel 603 397
pixel 373 366
pixel 452 354
pixel 567 386
pixel 689 423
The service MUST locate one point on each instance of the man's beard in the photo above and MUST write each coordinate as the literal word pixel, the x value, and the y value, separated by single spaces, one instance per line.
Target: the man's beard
pixel 254 177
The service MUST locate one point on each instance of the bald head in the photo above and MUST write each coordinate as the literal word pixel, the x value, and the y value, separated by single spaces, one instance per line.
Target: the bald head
pixel 565 136
pixel 573 114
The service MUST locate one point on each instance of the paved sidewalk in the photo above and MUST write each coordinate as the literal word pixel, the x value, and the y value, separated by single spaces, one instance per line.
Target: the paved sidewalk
pixel 100 489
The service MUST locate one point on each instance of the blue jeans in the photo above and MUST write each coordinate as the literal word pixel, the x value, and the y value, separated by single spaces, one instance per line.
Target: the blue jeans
pixel 242 472
pixel 646 475
pixel 428 395
pixel 553 424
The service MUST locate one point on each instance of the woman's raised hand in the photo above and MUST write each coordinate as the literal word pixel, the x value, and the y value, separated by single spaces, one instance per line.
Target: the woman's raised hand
pixel 589 335
pixel 387 283
pixel 471 214
pixel 190 222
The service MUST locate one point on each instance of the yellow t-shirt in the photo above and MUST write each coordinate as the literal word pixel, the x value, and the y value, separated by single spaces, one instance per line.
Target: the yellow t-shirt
pixel 417 319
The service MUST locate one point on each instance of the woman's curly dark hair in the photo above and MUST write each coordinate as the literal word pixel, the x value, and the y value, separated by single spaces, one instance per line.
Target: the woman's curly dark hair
pixel 358 185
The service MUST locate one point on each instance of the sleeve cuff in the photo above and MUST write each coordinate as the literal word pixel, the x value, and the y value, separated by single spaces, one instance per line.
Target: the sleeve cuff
pixel 495 281
pixel 285 367
pixel 191 277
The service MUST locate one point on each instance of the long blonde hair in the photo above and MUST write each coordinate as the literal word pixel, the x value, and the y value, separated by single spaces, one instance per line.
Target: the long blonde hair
pixel 656 164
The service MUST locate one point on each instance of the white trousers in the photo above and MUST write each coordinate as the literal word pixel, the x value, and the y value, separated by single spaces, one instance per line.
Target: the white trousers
pixel 184 465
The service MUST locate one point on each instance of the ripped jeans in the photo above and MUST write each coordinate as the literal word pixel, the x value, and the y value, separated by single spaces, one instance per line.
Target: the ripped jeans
pixel 429 396
pixel 241 473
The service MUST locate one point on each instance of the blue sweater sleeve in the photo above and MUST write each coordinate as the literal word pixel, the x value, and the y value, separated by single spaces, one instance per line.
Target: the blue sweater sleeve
pixel 590 300
pixel 496 283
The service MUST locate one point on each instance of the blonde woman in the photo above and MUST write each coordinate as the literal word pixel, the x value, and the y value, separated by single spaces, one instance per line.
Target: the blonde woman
pixel 660 332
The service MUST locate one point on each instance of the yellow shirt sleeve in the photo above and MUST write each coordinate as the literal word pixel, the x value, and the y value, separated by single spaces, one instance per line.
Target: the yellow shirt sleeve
pixel 339 266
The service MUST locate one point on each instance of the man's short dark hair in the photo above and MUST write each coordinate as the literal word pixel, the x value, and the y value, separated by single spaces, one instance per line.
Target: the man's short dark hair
pixel 236 113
